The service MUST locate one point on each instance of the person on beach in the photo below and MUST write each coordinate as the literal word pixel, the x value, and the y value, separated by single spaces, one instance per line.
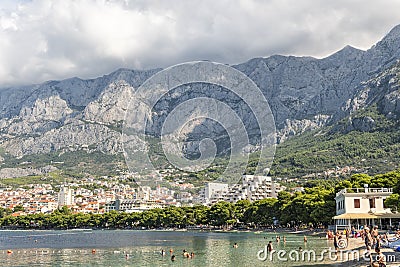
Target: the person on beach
pixel 378 242
pixel 270 247
pixel 353 231
pixel 163 252
pixel 235 245
pixel 347 235
pixel 329 235
pixel 380 259
pixel 305 239
pixel 336 238
pixel 173 258
pixel 367 239
pixel 374 234
pixel 284 239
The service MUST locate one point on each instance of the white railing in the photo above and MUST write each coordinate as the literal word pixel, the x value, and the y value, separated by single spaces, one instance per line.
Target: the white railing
pixel 365 190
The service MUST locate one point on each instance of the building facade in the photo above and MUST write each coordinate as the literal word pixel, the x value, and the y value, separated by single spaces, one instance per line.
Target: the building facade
pixel 363 206
pixel 65 196
pixel 251 188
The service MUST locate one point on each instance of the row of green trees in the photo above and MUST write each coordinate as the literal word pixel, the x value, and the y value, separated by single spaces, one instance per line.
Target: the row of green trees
pixel 293 209
pixel 315 205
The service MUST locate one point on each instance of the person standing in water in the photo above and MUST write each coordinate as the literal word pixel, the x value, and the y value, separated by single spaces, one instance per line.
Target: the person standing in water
pixel 270 247
pixel 336 242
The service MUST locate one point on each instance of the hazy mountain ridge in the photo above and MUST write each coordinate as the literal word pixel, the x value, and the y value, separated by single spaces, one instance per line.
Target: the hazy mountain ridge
pixel 304 93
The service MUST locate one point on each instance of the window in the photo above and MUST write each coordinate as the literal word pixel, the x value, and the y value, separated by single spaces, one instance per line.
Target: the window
pixel 356 203
pixel 372 203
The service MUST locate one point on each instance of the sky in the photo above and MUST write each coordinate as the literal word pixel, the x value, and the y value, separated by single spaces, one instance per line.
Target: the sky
pixel 44 40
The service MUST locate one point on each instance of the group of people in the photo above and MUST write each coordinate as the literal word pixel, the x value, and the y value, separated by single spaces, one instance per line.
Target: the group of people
pixel 185 254
pixel 372 239
pixel 270 246
pixel 278 238
pixel 375 241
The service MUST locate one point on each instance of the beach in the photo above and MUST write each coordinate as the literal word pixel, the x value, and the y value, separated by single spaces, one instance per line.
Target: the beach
pixel 353 255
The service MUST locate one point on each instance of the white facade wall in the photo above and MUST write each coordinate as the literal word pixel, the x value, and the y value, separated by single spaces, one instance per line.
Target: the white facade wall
pixel 346 201
pixel 65 196
pixel 215 189
pixel 252 188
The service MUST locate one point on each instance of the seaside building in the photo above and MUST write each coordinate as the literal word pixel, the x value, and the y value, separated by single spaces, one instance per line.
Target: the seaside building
pixel 130 205
pixel 251 188
pixel 213 192
pixel 364 206
pixel 65 196
pixel 254 188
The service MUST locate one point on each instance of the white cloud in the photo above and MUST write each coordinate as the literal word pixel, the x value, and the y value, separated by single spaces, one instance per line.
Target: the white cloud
pixel 44 39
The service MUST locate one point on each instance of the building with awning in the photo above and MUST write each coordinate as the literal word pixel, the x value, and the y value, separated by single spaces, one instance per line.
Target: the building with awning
pixel 364 206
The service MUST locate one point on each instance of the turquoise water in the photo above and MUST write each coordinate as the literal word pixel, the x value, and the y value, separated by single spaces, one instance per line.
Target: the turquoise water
pixel 74 248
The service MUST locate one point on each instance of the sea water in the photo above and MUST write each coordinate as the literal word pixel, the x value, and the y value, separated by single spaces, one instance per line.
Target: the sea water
pixel 143 248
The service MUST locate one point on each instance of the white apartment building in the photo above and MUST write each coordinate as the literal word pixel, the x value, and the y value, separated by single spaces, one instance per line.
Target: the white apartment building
pixel 363 206
pixel 214 192
pixel 252 188
pixel 130 205
pixel 65 196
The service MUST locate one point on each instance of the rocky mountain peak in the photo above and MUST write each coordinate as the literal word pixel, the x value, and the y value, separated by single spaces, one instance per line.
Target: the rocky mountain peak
pixel 303 93
pixel 348 52
pixel 385 53
pixel 393 35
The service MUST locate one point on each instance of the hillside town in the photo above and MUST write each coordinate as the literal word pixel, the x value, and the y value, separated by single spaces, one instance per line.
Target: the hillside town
pixel 100 196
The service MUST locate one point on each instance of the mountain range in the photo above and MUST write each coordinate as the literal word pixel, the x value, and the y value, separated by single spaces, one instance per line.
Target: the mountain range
pixel 304 93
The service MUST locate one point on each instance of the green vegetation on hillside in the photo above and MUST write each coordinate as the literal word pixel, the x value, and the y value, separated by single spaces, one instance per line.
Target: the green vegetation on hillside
pixel 53 178
pixel 311 153
pixel 316 151
pixel 74 164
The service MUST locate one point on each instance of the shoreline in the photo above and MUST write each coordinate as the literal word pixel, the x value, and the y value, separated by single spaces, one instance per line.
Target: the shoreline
pixel 358 245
